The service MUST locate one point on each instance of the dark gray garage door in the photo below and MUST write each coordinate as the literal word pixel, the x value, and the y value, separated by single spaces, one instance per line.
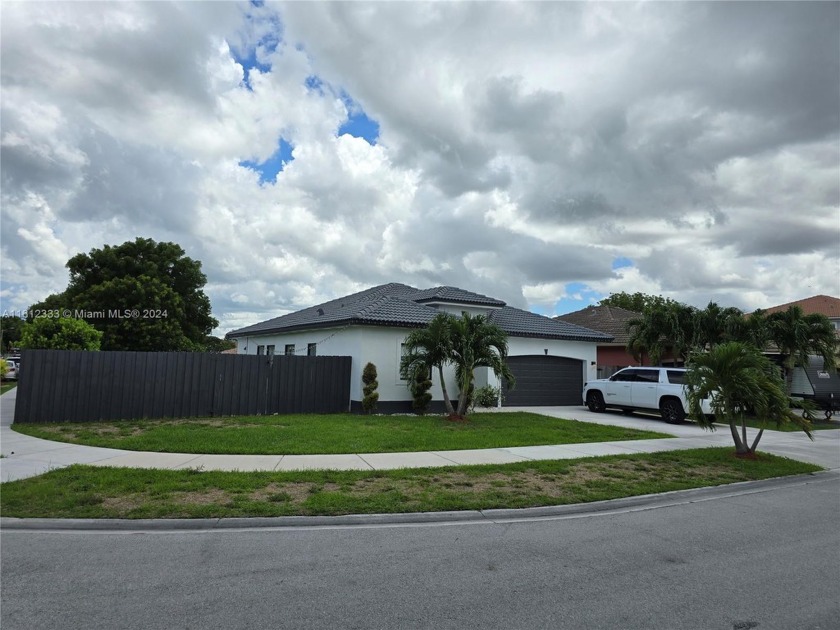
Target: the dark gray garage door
pixel 544 380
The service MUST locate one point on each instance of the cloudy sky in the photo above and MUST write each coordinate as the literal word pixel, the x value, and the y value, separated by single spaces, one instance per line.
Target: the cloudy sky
pixel 543 153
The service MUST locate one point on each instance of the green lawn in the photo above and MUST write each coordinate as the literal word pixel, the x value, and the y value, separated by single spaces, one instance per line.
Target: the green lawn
pixel 787 427
pixel 92 492
pixel 337 433
pixel 7 385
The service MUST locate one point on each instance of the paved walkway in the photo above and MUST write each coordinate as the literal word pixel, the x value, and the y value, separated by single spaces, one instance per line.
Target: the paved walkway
pixel 25 456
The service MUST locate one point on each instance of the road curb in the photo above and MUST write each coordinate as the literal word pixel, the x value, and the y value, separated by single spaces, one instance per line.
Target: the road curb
pixel 578 510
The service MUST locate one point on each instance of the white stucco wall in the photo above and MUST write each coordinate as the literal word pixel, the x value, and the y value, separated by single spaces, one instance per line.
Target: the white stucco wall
pixel 381 345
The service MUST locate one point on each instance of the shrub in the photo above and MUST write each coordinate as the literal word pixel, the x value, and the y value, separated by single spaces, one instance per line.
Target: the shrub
pixel 371 396
pixel 420 386
pixel 486 396
pixel 60 333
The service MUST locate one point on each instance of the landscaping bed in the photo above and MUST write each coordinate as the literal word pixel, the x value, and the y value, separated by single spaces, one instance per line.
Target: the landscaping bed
pixel 92 492
pixel 330 434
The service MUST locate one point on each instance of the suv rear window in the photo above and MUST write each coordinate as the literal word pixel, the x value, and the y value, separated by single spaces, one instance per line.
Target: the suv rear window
pixel 647 376
pixel 676 377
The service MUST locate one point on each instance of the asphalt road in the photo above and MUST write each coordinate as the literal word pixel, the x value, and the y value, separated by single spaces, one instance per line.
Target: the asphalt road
pixel 768 559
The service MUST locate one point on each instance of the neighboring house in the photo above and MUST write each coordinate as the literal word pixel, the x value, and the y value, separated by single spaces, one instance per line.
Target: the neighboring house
pixel 550 359
pixel 610 320
pixel 811 380
pixel 821 304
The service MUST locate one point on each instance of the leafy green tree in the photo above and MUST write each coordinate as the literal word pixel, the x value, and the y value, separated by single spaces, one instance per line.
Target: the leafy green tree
pixel 142 295
pixel 737 379
pixel 217 345
pixel 797 335
pixel 10 327
pixel 60 333
pixel 476 343
pixel 636 302
pixel 428 348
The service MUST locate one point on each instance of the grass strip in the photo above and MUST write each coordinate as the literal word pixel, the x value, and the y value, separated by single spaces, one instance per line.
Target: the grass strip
pixel 788 427
pixel 6 386
pixel 92 492
pixel 330 434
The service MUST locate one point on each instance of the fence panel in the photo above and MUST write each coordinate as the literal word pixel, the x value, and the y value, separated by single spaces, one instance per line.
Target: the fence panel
pixel 72 386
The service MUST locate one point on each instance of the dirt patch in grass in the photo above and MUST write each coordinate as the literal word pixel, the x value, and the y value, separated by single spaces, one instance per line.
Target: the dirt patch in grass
pixel 297 492
pixel 211 496
pixel 125 504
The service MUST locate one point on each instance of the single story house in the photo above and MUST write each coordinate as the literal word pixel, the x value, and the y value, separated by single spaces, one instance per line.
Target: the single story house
pixel 550 359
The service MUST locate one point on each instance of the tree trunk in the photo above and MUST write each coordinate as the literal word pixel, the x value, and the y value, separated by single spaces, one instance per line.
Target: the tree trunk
pixel 464 394
pixel 740 447
pixel 447 403
pixel 755 441
pixel 789 365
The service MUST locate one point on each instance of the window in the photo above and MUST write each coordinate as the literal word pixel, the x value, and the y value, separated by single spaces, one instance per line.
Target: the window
pixel 624 376
pixel 311 349
pixel 269 350
pixel 647 376
pixel 260 349
pixel 400 378
pixel 290 349
pixel 676 377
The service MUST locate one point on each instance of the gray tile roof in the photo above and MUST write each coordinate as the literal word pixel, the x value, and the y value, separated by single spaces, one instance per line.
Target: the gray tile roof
pixel 456 295
pixel 611 320
pixel 519 323
pixel 401 305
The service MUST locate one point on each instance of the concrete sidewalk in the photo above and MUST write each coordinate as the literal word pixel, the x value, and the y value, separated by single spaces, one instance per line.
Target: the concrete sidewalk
pixel 25 456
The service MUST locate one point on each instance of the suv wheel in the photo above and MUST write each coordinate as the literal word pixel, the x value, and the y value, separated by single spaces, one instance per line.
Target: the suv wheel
pixel 671 410
pixel 595 402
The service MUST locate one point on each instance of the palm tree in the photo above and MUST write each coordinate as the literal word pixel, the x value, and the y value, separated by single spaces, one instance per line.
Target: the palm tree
pixel 797 335
pixel 476 343
pixel 663 326
pixel 427 348
pixel 737 379
pixel 715 325
pixel 648 335
pixel 752 329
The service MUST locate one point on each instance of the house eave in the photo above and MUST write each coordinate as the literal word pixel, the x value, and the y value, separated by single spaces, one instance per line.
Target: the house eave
pixel 343 323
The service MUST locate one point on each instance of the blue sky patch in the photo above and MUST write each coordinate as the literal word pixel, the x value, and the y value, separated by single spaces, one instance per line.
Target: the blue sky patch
pixel 314 83
pixel 579 296
pixel 359 125
pixel 277 162
pixel 620 262
pixel 268 43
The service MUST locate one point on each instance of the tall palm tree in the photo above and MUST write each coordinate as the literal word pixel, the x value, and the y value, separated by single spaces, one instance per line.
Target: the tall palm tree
pixel 647 334
pixel 797 335
pixel 427 348
pixel 737 379
pixel 661 327
pixel 715 325
pixel 752 329
pixel 476 343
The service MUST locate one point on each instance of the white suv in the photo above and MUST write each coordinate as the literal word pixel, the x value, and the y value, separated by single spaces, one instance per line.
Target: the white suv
pixel 644 388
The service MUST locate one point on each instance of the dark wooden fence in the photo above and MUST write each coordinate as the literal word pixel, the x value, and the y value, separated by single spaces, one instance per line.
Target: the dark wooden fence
pixel 71 386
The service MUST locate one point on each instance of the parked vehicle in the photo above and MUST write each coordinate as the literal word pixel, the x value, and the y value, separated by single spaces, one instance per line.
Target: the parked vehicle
pixel 12 367
pixel 814 382
pixel 641 388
